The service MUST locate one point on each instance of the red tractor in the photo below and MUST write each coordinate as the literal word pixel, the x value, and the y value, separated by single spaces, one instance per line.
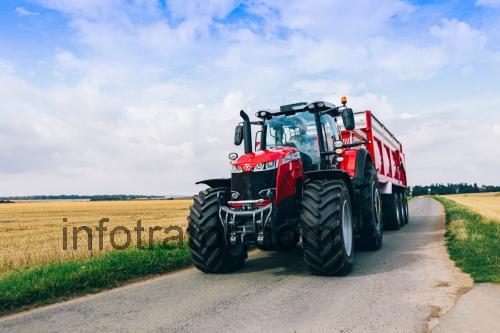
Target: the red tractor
pixel 312 178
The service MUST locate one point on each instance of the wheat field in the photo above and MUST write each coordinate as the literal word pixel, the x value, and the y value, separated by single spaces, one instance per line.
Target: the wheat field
pixel 31 233
pixel 486 204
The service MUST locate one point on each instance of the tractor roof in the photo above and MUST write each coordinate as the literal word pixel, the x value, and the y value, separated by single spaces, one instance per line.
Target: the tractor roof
pixel 290 109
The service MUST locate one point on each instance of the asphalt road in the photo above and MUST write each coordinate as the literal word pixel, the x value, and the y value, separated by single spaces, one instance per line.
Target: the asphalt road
pixel 400 288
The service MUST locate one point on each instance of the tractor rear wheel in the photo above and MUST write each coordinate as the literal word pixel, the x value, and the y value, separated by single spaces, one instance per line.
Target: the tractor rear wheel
pixel 371 210
pixel 207 243
pixel 327 227
pixel 391 211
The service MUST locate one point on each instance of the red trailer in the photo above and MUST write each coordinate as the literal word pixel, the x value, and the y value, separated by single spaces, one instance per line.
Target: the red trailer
pixel 385 149
pixel 389 159
pixel 319 173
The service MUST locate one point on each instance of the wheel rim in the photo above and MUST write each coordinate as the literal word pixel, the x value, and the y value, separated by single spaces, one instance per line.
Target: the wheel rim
pixel 347 227
pixel 378 209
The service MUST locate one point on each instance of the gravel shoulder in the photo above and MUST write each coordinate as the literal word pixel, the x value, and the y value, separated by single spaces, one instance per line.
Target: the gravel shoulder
pixel 476 311
pixel 403 287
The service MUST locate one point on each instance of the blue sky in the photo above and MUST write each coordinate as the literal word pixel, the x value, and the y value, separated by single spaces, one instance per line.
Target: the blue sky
pixel 142 96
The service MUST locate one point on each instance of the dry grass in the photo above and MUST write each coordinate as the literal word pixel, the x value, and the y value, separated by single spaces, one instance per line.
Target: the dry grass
pixel 473 241
pixel 31 233
pixel 487 204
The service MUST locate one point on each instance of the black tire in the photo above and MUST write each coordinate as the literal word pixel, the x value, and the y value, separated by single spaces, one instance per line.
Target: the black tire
pixel 406 213
pixel 288 238
pixel 371 210
pixel 325 216
pixel 401 210
pixel 209 250
pixel 390 211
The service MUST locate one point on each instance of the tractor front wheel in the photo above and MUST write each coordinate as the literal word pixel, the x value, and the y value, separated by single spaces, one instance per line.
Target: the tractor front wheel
pixel 327 227
pixel 207 243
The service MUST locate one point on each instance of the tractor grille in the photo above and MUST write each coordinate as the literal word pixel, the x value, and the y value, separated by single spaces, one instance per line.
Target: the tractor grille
pixel 249 184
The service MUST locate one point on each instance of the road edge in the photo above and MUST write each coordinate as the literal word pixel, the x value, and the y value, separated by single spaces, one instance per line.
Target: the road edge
pixel 459 284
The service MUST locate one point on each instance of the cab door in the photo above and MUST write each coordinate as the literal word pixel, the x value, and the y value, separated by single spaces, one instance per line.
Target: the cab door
pixel 329 135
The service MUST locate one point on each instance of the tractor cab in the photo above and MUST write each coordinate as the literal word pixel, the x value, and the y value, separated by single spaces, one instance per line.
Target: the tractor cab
pixel 299 131
pixel 311 129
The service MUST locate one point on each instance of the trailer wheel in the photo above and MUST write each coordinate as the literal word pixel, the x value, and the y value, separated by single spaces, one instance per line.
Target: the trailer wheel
pixel 401 210
pixel 209 250
pixel 391 212
pixel 327 227
pixel 405 210
pixel 371 210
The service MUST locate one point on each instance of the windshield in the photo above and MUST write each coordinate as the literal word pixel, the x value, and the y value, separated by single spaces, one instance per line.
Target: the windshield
pixel 298 131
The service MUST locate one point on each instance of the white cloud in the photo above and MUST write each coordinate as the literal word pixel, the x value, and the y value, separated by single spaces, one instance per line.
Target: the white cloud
pixel 68 60
pixel 6 66
pixel 460 41
pixel 406 61
pixel 326 18
pixel 452 147
pixel 488 3
pixel 323 87
pixel 140 103
pixel 21 11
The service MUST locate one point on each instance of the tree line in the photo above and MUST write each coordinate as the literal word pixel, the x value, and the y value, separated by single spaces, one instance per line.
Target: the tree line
pixel 451 188
pixel 85 197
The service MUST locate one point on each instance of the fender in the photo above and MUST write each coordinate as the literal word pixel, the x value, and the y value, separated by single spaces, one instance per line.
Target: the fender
pixel 216 182
pixel 328 174
pixel 359 173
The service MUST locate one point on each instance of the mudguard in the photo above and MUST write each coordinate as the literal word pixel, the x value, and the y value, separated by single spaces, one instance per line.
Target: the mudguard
pixel 216 182
pixel 359 173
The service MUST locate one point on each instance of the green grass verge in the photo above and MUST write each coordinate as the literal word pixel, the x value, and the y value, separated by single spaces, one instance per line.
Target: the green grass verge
pixel 473 241
pixel 49 283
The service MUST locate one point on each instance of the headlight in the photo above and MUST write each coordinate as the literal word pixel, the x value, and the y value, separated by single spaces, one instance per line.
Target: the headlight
pixel 259 167
pixel 235 169
pixel 272 165
pixel 266 166
pixel 338 144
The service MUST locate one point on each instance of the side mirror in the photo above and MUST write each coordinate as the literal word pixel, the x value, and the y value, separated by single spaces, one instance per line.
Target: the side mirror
pixel 348 119
pixel 238 135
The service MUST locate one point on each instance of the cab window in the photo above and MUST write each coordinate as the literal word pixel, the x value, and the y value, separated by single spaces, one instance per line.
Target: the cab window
pixel 328 132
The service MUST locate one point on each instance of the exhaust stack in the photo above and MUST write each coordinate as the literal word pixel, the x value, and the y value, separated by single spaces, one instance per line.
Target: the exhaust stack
pixel 247 132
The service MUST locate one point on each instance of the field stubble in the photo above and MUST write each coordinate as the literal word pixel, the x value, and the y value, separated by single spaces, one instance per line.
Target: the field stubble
pixel 31 233
pixel 486 204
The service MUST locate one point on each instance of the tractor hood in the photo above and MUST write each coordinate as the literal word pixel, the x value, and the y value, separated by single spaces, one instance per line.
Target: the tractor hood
pixel 247 162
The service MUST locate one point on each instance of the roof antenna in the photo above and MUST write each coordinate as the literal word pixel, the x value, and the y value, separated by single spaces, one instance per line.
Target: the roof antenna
pixel 283 100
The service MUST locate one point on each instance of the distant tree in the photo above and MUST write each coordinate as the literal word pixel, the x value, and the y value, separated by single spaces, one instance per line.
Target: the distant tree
pixel 450 188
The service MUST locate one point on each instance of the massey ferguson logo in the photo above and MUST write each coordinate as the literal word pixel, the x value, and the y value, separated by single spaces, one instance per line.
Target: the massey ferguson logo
pixel 246 167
